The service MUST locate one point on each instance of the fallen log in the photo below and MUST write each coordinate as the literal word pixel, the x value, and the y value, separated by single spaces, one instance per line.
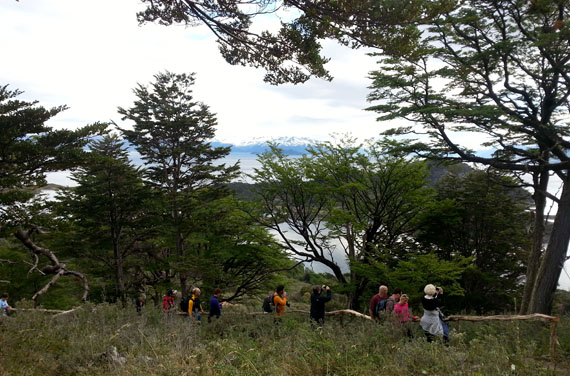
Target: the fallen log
pixel 38 310
pixel 58 312
pixel 535 316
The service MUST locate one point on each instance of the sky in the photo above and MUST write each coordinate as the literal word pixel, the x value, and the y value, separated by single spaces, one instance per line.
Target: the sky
pixel 89 55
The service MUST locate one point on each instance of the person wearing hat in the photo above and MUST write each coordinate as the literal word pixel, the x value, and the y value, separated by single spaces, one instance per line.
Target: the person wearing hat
pixel 168 301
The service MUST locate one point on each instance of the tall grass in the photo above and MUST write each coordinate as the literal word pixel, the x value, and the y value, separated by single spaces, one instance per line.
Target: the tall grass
pixel 242 344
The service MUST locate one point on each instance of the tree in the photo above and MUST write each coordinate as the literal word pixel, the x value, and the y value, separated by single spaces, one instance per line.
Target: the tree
pixel 293 53
pixel 413 274
pixel 28 150
pixel 341 197
pixel 108 208
pixel 171 131
pixel 240 256
pixel 483 218
pixel 499 69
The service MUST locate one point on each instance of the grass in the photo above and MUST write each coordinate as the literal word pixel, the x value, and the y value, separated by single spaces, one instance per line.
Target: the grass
pixel 240 344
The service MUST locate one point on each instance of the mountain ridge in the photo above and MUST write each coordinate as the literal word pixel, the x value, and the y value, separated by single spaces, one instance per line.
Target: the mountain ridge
pixel 290 145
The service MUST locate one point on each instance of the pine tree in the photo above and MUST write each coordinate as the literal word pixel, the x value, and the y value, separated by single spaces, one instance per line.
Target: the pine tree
pixel 172 132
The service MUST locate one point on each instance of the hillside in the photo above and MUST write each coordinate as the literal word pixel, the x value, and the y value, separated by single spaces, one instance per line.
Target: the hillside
pixel 110 340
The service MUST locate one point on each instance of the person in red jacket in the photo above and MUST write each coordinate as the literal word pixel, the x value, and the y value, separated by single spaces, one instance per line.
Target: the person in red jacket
pixel 168 301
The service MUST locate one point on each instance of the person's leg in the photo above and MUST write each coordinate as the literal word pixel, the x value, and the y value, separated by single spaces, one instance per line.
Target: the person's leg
pixel 445 330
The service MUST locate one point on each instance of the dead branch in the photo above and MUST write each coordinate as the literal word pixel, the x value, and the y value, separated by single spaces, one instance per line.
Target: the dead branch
pixel 56 268
pixel 45 289
pixel 82 277
pixel 35 264
pixel 68 311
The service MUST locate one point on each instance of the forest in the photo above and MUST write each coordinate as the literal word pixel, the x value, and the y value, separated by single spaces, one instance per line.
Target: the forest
pixel 410 207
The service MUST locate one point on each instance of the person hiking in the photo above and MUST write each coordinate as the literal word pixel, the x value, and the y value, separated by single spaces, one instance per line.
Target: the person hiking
pixel 195 307
pixel 432 320
pixel 318 301
pixel 215 305
pixel 403 315
pixel 4 306
pixel 279 301
pixel 140 302
pixel 168 301
pixel 392 300
pixel 377 299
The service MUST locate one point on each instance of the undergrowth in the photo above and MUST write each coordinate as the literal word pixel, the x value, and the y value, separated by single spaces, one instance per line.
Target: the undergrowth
pixel 33 343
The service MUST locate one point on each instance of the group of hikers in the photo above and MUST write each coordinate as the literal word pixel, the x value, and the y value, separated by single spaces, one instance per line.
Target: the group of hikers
pixel 192 305
pixel 382 307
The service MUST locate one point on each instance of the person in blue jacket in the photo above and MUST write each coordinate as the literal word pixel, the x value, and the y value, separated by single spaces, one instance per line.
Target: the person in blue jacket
pixel 215 305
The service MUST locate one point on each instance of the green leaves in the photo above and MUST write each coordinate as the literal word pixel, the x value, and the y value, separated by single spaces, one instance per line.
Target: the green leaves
pixel 29 148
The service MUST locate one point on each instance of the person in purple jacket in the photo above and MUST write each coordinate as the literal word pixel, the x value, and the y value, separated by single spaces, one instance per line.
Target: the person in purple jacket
pixel 215 305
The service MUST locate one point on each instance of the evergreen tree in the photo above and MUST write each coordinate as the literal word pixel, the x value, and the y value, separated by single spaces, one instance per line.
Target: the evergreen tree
pixel 29 149
pixel 109 209
pixel 172 132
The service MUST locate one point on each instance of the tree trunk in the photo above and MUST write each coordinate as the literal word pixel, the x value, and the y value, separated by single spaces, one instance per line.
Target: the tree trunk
pixel 533 263
pixel 180 252
pixel 120 278
pixel 361 284
pixel 554 257
pixel 119 272
pixel 334 267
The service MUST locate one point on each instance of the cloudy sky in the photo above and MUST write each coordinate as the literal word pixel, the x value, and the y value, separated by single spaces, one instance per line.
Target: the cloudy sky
pixel 90 54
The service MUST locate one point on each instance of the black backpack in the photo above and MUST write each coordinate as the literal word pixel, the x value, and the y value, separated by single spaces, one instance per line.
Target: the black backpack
pixel 268 304
pixel 184 304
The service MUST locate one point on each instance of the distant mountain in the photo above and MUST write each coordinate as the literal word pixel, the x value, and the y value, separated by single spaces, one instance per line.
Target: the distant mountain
pixel 257 145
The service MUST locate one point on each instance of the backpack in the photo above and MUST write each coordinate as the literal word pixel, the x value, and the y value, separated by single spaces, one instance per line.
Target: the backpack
pixel 268 304
pixel 184 304
pixel 381 306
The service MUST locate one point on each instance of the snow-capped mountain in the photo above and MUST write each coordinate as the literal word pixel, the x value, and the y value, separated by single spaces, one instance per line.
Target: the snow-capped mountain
pixel 256 145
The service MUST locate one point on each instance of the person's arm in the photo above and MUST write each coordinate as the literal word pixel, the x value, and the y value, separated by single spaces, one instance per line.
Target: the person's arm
pixel 439 301
pixel 372 306
pixel 190 306
pixel 280 302
pixel 324 299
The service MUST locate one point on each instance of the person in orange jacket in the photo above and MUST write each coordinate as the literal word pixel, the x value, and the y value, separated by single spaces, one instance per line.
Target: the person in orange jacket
pixel 280 300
